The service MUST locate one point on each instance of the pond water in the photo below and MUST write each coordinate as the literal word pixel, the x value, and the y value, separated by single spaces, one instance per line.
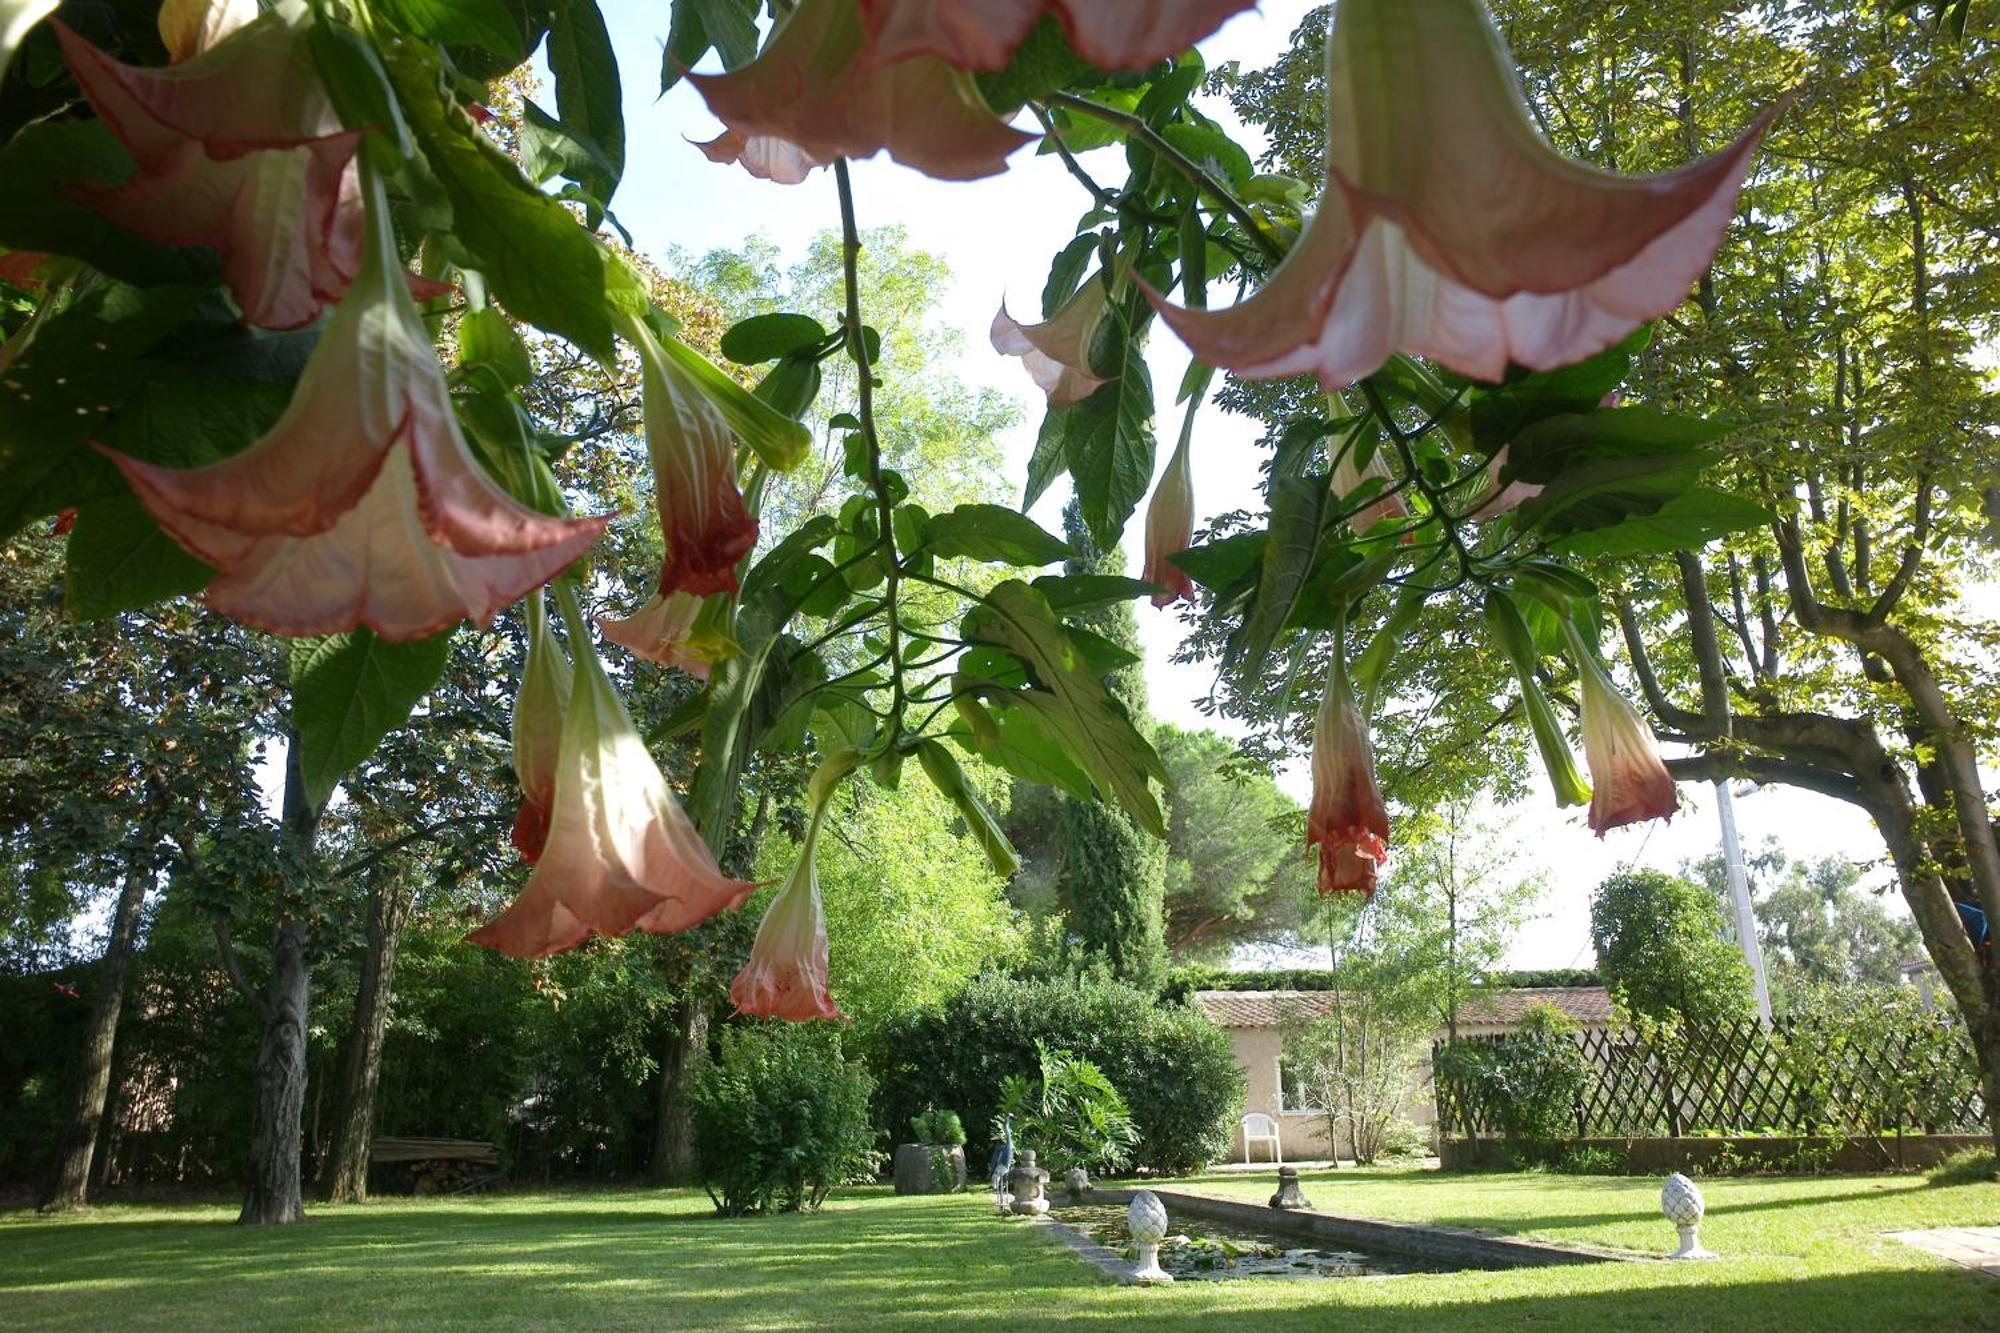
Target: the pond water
pixel 1203 1249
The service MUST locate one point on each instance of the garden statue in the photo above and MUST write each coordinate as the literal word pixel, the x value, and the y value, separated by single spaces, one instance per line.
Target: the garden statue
pixel 1078 1181
pixel 1026 1182
pixel 1146 1220
pixel 1289 1195
pixel 1681 1201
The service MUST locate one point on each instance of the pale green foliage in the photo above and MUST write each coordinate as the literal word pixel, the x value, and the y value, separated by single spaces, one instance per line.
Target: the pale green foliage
pixel 913 909
pixel 1660 947
pixel 1070 1113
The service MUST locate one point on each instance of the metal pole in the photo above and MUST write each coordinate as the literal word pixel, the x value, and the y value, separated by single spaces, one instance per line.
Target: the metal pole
pixel 1739 896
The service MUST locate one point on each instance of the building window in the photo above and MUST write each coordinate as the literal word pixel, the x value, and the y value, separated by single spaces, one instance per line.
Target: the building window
pixel 1291 1099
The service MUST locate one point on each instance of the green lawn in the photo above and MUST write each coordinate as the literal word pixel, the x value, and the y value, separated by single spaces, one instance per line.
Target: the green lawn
pixel 1802 1255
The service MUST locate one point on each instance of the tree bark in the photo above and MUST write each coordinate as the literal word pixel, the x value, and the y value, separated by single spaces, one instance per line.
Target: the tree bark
pixel 344 1178
pixel 72 1183
pixel 273 1194
pixel 673 1137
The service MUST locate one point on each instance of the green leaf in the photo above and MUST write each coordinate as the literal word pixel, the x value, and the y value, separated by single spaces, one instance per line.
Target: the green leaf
pixel 1111 446
pixel 791 385
pixel 351 690
pixel 117 559
pixel 1012 737
pixel 1599 492
pixel 1498 414
pixel 1213 151
pixel 488 338
pixel 1287 560
pixel 1687 522
pixel 1548 446
pixel 1089 592
pixel 761 338
pixel 946 775
pixel 780 441
pixel 543 267
pixel 550 148
pixel 1051 457
pixel 486 24
pixel 354 78
pixel 1220 565
pixel 69 385
pixel 588 96
pixel 1090 725
pixel 1041 64
pixel 46 158
pixel 995 533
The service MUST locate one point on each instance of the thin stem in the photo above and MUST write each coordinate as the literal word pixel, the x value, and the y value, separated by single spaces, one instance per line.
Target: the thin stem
pixel 1181 162
pixel 857 348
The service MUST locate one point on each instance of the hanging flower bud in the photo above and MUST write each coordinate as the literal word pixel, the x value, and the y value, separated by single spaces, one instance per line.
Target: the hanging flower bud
pixel 189 27
pixel 786 976
pixel 1347 821
pixel 1347 479
pixel 984 34
pixel 1056 352
pixel 812 88
pixel 1501 497
pixel 1170 527
pixel 539 708
pixel 1449 229
pixel 679 630
pixel 621 853
pixel 1629 781
pixel 238 147
pixel 703 519
pixel 363 505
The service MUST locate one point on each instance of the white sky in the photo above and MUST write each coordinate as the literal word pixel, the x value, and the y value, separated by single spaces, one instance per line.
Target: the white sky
pixel 999 237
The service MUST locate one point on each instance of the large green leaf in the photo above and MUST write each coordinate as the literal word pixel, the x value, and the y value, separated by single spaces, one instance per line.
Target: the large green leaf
pixel 1547 447
pixel 1499 414
pixel 727 27
pixel 1287 560
pixel 117 559
pixel 1072 702
pixel 588 97
pixel 1051 456
pixel 67 387
pixel 486 24
pixel 351 690
pixel 1110 445
pixel 1012 737
pixel 1221 565
pixel 771 337
pixel 995 533
pixel 543 267
pixel 1599 492
pixel 1687 522
pixel 1088 592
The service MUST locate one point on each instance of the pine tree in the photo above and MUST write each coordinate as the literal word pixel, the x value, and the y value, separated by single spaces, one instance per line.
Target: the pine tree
pixel 1114 872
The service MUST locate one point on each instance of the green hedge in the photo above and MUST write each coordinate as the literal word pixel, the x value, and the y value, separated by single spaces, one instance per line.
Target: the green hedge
pixel 1175 1068
pixel 1183 982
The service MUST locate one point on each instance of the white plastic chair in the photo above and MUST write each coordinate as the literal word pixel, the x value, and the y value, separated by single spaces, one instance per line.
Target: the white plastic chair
pixel 1260 1128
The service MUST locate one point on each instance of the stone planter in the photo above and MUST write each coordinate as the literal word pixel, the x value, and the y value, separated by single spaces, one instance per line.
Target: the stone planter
pixel 915 1174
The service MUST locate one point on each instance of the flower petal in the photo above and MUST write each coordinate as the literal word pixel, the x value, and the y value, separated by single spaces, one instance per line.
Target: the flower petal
pixel 1629 781
pixel 1056 352
pixel 539 708
pixel 983 34
pixel 786 976
pixel 807 88
pixel 762 155
pixel 1450 230
pixel 189 27
pixel 621 852
pixel 662 631
pixel 1170 528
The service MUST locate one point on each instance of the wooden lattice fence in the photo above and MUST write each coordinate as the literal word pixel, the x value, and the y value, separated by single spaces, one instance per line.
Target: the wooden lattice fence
pixel 1733 1078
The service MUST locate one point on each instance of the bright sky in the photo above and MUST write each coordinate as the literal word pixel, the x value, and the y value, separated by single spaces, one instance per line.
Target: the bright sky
pixel 999 236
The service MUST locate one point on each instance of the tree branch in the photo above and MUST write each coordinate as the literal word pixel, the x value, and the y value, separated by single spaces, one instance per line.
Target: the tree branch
pixel 233 966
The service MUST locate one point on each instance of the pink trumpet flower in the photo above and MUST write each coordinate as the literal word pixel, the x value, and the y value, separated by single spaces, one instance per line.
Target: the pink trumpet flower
pixel 703 518
pixel 811 88
pixel 786 976
pixel 1170 528
pixel 1056 352
pixel 1347 820
pixel 1449 229
pixel 983 34
pixel 538 724
pixel 764 156
pixel 1347 479
pixel 1629 781
pixel 665 631
pixel 621 852
pixel 238 147
pixel 1501 497
pixel 363 504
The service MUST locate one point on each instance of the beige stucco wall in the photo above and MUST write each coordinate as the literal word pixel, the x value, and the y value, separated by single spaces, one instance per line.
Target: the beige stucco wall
pixel 1303 1134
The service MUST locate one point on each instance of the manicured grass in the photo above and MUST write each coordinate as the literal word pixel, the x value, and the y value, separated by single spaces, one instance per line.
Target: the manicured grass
pixel 1802 1255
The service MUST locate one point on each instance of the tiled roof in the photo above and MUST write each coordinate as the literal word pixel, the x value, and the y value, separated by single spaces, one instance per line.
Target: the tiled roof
pixel 1495 1009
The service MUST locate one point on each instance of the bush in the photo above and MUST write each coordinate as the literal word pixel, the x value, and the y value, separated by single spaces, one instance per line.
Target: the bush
pixel 780 1118
pixel 1531 1079
pixel 1972 1166
pixel 939 1127
pixel 1072 1115
pixel 1174 1066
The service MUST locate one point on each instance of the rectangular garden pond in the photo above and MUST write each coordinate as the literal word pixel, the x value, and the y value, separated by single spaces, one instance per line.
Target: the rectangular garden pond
pixel 1211 1238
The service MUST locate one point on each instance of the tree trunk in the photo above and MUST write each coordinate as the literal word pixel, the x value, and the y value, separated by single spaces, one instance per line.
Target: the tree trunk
pixel 673 1138
pixel 273 1195
pixel 72 1182
pixel 344 1178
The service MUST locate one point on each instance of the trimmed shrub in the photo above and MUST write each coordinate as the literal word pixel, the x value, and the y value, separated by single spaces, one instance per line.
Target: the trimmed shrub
pixel 1174 1066
pixel 780 1118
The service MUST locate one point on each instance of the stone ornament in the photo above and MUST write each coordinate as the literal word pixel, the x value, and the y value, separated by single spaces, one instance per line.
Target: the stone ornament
pixel 1289 1195
pixel 1146 1221
pixel 1681 1201
pixel 1077 1180
pixel 1026 1183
